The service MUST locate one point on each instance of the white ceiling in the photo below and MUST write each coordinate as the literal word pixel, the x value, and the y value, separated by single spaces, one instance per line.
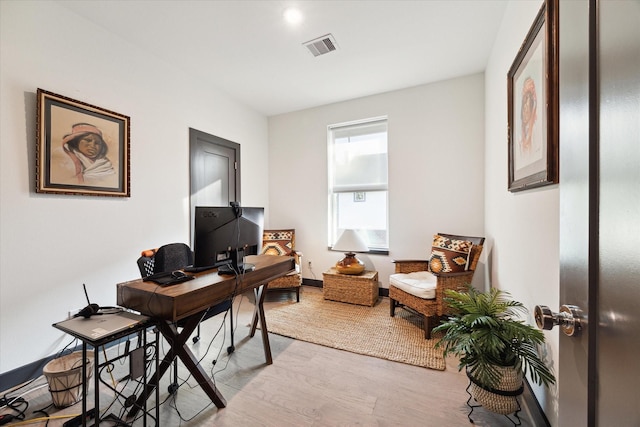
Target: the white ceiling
pixel 250 52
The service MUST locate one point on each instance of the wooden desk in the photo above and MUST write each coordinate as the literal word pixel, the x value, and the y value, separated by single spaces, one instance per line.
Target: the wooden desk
pixel 188 302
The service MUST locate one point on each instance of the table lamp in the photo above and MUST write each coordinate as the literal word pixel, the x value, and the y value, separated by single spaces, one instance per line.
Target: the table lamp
pixel 349 242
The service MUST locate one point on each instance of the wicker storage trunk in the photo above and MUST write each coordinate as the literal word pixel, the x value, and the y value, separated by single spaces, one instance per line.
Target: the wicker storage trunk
pixel 352 288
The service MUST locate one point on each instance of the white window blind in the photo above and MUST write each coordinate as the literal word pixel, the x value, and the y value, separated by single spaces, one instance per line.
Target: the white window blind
pixel 358 181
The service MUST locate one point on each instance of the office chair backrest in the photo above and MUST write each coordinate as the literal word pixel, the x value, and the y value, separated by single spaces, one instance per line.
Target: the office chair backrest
pixel 173 256
pixel 146 265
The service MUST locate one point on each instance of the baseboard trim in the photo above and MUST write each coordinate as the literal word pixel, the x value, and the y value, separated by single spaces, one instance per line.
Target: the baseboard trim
pixel 25 373
pixel 33 370
pixel 532 407
pixel 312 282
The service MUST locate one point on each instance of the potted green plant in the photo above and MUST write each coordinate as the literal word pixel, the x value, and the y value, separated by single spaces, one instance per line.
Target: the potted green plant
pixel 494 346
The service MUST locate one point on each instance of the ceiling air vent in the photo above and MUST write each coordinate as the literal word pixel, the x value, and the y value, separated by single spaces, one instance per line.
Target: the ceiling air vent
pixel 321 45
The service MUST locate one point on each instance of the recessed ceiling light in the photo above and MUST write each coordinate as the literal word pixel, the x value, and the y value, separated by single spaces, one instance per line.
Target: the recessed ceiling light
pixel 292 15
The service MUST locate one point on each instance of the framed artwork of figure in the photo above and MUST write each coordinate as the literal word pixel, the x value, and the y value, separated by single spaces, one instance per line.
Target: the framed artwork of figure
pixel 82 149
pixel 532 86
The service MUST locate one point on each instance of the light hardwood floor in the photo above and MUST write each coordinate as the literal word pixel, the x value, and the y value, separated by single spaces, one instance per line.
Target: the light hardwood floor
pixel 307 385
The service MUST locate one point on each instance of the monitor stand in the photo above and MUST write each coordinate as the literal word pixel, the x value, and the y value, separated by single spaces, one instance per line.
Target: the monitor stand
pixel 237 266
pixel 194 269
pixel 228 269
pixel 247 267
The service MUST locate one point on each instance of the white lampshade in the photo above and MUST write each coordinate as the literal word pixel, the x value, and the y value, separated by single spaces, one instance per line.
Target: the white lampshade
pixel 351 241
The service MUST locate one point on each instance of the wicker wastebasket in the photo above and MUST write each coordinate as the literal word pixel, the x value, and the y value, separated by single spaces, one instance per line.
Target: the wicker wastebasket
pixel 64 375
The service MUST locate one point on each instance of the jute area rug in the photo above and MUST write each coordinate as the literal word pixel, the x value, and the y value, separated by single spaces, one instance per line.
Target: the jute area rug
pixel 358 329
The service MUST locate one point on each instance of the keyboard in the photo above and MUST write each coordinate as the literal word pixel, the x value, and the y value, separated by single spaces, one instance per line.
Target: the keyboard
pixel 198 269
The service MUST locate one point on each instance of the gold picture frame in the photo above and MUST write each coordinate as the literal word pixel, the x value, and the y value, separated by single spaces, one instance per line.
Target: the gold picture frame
pixel 532 87
pixel 81 149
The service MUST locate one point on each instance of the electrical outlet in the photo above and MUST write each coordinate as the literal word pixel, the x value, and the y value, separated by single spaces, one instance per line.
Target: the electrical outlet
pixel 309 263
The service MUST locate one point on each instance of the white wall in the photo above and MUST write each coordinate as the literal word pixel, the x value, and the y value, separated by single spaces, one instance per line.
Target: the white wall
pixel 436 174
pixel 51 244
pixel 522 228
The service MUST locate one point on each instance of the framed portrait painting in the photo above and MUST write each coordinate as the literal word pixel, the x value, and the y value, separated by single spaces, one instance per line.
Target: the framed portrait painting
pixel 532 88
pixel 81 149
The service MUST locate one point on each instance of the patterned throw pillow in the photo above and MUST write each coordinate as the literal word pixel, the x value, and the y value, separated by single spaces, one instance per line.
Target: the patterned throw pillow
pixel 277 242
pixel 449 255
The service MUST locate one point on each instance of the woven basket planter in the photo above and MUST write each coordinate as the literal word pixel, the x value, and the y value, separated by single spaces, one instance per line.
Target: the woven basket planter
pixel 502 399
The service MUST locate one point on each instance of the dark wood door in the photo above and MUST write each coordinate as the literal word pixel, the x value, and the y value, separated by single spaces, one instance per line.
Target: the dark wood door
pixel 600 211
pixel 214 170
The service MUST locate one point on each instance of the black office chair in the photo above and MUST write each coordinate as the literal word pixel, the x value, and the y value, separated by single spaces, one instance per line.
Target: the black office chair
pixel 176 256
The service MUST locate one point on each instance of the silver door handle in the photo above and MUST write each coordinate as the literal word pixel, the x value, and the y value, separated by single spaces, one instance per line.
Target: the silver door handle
pixel 568 318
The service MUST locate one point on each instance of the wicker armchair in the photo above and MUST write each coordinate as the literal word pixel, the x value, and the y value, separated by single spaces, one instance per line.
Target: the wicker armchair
pixel 283 242
pixel 416 287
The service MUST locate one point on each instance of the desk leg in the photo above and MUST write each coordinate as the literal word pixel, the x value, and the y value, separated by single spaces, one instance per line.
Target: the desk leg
pixel 179 348
pixel 258 313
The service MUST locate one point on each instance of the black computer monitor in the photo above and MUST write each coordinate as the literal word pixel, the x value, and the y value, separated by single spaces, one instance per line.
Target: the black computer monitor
pixel 224 235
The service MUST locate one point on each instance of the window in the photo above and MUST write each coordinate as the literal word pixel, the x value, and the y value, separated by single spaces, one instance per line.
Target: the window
pixel 358 187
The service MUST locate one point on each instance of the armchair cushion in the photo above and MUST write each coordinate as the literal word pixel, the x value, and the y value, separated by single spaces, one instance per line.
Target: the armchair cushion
pixel 278 242
pixel 449 255
pixel 421 284
pixel 282 243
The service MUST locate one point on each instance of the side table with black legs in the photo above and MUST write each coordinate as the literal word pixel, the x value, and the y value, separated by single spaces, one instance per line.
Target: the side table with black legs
pixel 101 330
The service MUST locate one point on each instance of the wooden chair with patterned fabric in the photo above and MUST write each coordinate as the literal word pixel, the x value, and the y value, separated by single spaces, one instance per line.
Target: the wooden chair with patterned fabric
pixel 420 285
pixel 283 243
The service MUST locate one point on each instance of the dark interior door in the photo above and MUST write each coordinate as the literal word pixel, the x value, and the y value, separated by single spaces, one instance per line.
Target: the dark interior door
pixel 214 169
pixel 600 211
